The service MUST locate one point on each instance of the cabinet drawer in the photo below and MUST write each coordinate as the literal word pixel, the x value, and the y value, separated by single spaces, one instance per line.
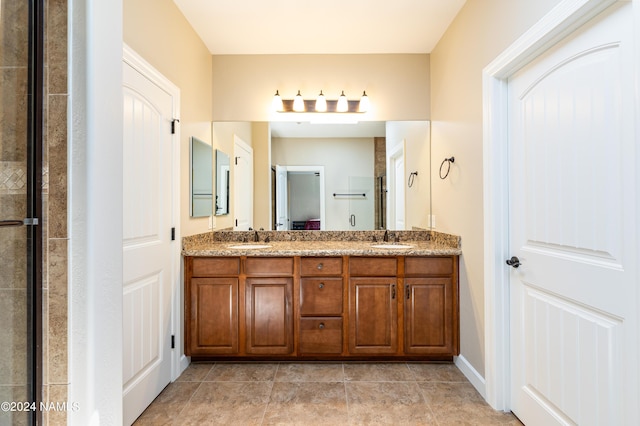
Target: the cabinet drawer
pixel 268 266
pixel 321 335
pixel 321 296
pixel 320 266
pixel 215 266
pixel 373 266
pixel 428 266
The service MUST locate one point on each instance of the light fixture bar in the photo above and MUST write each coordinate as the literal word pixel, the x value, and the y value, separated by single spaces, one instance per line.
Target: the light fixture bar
pixel 320 104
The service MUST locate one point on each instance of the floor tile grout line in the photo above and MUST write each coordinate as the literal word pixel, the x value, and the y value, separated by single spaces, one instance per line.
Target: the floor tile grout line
pixel 273 382
pixel 346 396
pixel 176 420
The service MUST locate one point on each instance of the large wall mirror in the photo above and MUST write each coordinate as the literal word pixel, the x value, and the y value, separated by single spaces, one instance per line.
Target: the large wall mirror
pixel 200 178
pixel 337 176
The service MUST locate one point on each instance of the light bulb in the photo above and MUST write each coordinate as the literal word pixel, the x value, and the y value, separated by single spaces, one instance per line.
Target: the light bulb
pixel 298 103
pixel 277 103
pixel 321 103
pixel 343 104
pixel 364 102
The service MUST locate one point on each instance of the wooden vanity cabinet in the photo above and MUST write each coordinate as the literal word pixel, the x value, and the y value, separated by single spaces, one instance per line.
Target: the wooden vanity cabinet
pixel 211 306
pixel 215 291
pixel 345 307
pixel 373 307
pixel 269 305
pixel 321 306
pixel 431 306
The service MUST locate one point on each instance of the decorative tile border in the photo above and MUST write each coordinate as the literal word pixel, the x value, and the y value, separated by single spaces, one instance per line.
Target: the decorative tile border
pixel 13 177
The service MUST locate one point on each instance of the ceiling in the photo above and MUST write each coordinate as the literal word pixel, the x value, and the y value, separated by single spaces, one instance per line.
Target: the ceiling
pixel 232 27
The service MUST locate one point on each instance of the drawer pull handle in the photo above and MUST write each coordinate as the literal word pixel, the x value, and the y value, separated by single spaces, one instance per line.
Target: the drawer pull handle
pixel 321 326
pixel 320 266
pixel 321 285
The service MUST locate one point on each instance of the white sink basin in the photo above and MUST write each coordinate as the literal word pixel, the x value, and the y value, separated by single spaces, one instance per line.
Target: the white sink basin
pixel 249 246
pixel 392 246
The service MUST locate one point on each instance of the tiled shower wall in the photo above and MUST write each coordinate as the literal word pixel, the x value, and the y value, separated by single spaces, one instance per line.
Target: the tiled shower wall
pixel 13 155
pixel 56 237
pixel 13 113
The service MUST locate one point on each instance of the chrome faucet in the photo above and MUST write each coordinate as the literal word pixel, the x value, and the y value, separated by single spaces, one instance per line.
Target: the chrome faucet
pixel 386 236
pixel 256 237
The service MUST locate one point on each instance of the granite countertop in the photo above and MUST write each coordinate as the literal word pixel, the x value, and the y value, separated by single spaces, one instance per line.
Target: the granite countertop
pixel 320 243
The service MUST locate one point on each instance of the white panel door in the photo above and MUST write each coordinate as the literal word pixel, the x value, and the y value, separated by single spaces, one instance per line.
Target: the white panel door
pixel 282 198
pixel 243 185
pixel 573 217
pixel 146 244
pixel 395 195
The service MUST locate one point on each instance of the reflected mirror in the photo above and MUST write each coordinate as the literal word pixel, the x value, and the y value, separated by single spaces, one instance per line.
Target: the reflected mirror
pixel 200 178
pixel 337 176
pixel 222 183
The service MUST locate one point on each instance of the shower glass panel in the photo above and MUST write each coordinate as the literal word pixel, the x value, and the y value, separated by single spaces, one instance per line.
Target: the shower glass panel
pixel 20 190
pixel 361 203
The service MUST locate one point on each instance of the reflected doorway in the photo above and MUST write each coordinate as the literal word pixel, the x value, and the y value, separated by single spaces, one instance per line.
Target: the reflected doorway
pixel 299 198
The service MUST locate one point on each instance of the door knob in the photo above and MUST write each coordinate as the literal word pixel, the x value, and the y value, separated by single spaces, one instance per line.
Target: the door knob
pixel 514 262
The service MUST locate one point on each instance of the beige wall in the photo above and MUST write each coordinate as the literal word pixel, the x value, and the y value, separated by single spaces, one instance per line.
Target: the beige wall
pixel 244 85
pixel 261 134
pixel 157 30
pixel 481 31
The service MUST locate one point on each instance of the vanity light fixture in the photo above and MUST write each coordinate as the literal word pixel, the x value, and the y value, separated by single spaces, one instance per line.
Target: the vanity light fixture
pixel 321 104
pixel 298 103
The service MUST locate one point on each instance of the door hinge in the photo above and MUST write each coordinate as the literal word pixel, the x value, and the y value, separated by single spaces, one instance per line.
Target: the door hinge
pixel 236 222
pixel 236 160
pixel 173 234
pixel 173 342
pixel 173 125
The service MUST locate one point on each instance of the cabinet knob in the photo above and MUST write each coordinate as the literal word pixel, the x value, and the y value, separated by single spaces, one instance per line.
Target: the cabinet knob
pixel 320 266
pixel 321 326
pixel 321 285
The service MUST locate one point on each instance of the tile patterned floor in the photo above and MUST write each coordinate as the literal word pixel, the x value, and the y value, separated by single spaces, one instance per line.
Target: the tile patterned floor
pixel 321 394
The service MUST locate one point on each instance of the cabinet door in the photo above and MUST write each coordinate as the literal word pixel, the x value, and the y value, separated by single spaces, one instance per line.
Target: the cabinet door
pixel 269 315
pixel 429 316
pixel 213 316
pixel 373 316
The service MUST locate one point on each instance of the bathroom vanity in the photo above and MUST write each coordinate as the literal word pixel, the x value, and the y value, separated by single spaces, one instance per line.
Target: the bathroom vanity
pixel 321 296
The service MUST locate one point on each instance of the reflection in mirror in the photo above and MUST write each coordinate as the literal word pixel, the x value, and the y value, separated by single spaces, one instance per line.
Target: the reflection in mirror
pixel 352 157
pixel 222 183
pixel 355 159
pixel 201 178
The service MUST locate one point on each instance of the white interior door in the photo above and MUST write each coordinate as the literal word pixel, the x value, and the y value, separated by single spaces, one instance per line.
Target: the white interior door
pixel 282 198
pixel 243 185
pixel 147 246
pixel 396 195
pixel 573 219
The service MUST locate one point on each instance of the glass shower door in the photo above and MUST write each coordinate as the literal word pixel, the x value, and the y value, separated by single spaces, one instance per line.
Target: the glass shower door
pixel 20 168
pixel 361 203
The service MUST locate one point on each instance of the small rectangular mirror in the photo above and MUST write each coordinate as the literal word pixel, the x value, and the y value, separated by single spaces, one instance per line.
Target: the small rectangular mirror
pixel 201 178
pixel 222 183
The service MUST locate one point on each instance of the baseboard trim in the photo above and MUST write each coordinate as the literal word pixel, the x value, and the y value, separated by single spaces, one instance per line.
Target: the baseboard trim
pixel 472 375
